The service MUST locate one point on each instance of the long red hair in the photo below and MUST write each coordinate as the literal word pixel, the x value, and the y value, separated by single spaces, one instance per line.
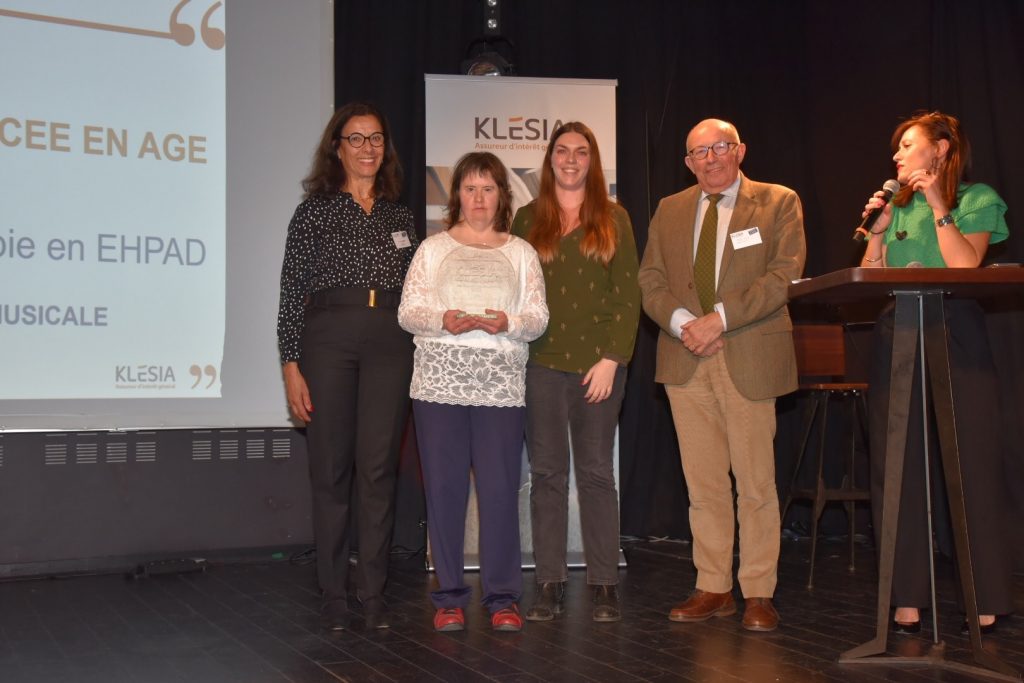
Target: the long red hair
pixel 599 235
pixel 938 126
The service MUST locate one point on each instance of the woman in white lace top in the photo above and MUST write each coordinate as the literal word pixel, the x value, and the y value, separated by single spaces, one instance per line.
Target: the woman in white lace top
pixel 468 384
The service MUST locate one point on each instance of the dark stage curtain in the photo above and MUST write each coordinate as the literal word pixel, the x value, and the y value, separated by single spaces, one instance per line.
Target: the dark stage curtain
pixel 815 88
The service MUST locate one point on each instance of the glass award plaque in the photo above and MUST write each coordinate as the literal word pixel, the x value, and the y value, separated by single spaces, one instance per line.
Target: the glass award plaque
pixel 473 278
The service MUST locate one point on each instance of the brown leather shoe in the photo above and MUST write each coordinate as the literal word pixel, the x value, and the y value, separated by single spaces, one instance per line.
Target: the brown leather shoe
pixel 548 602
pixel 760 615
pixel 701 606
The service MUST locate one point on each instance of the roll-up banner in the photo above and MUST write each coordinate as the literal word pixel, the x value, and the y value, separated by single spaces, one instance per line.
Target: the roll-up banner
pixel 513 118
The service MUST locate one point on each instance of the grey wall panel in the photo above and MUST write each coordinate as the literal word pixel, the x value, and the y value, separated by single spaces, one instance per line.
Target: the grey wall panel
pixel 71 496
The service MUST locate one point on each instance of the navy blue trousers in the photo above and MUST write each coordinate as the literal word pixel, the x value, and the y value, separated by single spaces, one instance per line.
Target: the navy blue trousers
pixel 452 440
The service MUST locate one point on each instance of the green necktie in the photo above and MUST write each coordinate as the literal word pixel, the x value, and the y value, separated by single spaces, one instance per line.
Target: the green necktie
pixel 704 262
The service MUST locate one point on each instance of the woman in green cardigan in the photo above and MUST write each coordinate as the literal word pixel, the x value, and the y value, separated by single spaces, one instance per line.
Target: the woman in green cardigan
pixel 576 375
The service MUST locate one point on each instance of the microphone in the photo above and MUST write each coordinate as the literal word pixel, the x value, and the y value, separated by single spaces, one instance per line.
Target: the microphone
pixel 890 188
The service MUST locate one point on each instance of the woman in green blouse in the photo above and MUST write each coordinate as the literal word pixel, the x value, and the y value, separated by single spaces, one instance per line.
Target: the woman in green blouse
pixel 576 376
pixel 937 220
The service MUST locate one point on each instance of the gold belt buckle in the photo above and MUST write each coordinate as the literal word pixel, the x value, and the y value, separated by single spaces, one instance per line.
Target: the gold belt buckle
pixel 372 303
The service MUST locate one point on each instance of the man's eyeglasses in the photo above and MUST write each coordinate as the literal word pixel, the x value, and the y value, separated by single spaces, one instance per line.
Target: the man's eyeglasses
pixel 358 139
pixel 719 148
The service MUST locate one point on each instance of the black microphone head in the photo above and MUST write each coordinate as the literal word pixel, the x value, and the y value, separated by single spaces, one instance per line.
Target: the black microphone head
pixel 889 188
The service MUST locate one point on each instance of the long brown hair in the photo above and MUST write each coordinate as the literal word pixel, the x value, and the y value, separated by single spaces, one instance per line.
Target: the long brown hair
pixel 938 126
pixel 599 235
pixel 482 163
pixel 327 176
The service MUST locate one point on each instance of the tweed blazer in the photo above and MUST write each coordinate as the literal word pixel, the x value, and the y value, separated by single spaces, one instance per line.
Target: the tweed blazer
pixel 753 286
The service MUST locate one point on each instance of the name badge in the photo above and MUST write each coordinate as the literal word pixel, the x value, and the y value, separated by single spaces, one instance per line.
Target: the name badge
pixel 401 239
pixel 745 238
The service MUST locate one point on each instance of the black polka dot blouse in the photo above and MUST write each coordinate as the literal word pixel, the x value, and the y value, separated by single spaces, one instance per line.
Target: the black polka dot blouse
pixel 332 242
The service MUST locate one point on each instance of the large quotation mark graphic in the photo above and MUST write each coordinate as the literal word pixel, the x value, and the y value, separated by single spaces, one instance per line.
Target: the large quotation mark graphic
pixel 182 33
pixel 198 373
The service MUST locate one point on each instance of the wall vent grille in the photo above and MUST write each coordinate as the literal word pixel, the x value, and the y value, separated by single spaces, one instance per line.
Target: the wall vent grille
pixel 85 453
pixel 145 451
pixel 117 452
pixel 56 452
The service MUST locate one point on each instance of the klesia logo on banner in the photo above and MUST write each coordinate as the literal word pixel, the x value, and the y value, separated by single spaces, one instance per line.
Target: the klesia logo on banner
pixel 517 128
pixel 144 376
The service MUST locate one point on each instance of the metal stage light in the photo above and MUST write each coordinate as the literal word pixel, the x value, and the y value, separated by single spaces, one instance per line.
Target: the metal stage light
pixel 491 54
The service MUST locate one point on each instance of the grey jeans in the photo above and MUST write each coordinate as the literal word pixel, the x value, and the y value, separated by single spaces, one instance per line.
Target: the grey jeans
pixel 556 408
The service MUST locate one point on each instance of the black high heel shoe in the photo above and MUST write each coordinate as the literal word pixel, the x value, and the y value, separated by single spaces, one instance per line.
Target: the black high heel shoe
pixel 906 627
pixel 986 629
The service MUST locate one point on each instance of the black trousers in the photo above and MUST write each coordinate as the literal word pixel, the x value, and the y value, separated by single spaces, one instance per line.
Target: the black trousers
pixel 976 406
pixel 357 363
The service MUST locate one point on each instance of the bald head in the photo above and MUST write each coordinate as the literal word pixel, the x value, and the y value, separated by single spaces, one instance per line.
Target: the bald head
pixel 715 172
pixel 723 130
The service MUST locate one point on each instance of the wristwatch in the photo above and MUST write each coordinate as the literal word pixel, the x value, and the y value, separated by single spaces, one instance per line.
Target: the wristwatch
pixel 945 220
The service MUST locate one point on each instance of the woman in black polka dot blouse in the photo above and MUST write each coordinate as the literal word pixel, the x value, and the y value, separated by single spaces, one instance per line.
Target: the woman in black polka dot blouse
pixel 346 362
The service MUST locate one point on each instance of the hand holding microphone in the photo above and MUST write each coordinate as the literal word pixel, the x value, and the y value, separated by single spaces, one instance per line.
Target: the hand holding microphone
pixel 890 188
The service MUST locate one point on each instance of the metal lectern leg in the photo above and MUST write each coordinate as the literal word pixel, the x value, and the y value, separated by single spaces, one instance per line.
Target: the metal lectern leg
pixel 904 356
pixel 922 312
pixel 942 396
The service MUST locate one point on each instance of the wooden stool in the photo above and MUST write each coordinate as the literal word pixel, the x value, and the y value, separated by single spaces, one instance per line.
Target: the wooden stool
pixel 821 355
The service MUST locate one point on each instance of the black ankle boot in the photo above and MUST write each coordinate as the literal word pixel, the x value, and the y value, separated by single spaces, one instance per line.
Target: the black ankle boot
pixel 375 613
pixel 606 604
pixel 548 602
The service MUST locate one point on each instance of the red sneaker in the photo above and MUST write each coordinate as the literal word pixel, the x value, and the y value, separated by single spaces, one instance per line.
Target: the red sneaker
pixel 507 619
pixel 451 619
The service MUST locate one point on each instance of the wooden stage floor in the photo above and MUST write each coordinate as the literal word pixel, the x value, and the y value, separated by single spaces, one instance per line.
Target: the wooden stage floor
pixel 257 623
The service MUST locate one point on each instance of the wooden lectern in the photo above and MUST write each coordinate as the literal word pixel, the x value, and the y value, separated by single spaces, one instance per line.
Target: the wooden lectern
pixel 919 333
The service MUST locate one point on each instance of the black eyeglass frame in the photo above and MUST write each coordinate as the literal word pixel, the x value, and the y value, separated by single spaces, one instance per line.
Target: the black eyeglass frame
pixel 378 135
pixel 701 152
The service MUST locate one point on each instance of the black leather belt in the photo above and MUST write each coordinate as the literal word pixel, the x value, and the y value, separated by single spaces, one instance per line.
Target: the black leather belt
pixel 356 296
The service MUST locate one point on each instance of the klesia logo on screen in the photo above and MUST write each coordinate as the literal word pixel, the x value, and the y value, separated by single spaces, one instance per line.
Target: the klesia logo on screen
pixel 515 128
pixel 144 376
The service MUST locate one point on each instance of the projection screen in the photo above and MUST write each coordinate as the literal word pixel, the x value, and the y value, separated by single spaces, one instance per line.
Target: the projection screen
pixel 150 159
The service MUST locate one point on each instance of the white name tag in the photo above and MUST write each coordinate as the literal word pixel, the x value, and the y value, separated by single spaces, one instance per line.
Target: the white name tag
pixel 745 238
pixel 401 239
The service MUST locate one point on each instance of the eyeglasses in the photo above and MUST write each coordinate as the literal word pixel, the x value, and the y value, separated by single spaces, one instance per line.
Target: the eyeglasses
pixel 719 148
pixel 358 139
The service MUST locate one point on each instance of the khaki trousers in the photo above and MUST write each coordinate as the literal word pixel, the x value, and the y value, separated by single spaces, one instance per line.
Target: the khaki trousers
pixel 721 430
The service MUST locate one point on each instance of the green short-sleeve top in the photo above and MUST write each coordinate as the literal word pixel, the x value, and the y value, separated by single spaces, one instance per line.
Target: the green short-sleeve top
pixel 979 209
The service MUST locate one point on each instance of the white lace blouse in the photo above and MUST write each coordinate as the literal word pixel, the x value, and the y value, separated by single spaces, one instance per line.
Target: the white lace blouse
pixel 474 368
